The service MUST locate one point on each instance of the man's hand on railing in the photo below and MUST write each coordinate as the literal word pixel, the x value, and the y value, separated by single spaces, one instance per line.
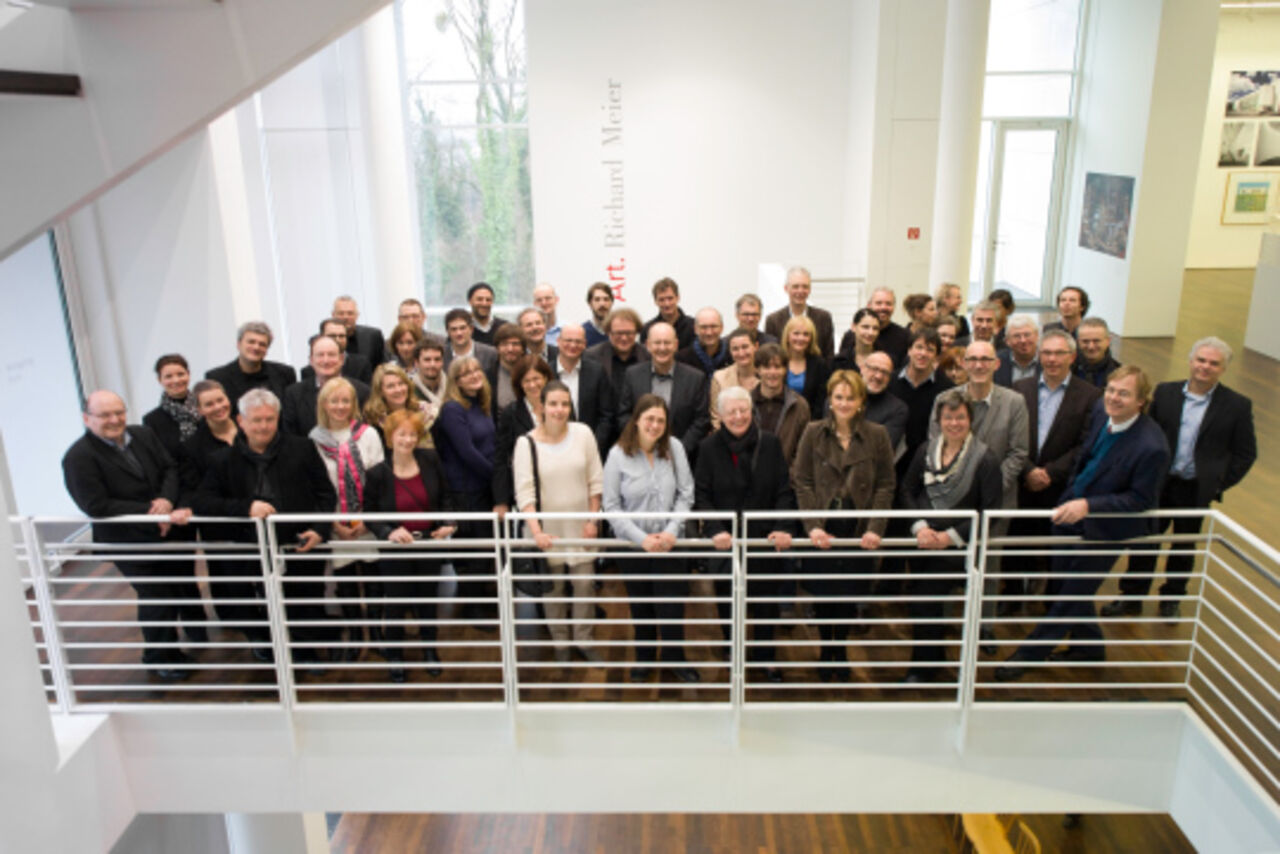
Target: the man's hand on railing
pixel 661 542
pixel 401 535
pixel 870 540
pixel 781 540
pixel 443 532
pixel 180 516
pixel 820 538
pixel 260 510
pixel 308 540
pixel 1071 512
pixel 723 541
pixel 927 538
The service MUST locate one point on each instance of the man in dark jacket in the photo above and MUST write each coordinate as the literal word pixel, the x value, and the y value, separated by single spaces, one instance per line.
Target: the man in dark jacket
pixel 118 470
pixel 300 398
pixel 709 352
pixel 265 472
pixel 683 388
pixel 364 341
pixel 251 369
pixel 1094 362
pixel 1120 470
pixel 741 467
pixel 621 351
pixel 590 389
pixel 1209 428
pixel 666 296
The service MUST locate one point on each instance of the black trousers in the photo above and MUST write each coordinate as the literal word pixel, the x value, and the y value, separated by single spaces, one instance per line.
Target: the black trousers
pixel 669 578
pixel 158 611
pixel 850 583
pixel 933 608
pixel 1177 494
pixel 721 569
pixel 428 571
pixel 477 576
pixel 247 585
pixel 1080 616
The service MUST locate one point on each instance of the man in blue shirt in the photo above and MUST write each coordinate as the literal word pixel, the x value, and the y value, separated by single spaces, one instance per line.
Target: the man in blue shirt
pixel 1209 428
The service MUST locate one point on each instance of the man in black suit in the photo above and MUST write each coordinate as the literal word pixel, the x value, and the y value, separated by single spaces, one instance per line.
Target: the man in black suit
pixel 666 296
pixel 881 407
pixel 251 369
pixel 682 387
pixel 354 366
pixel 1209 428
pixel 798 287
pixel 1018 359
pixel 301 397
pixel 1094 362
pixel 1058 413
pixel 591 391
pixel 1120 468
pixel 893 339
pixel 364 341
pixel 709 352
pixel 917 385
pixel 119 470
pixel 747 310
pixel 621 351
pixel 266 471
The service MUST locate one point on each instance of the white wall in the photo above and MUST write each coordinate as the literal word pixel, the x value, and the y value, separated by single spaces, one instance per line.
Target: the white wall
pixel 1245 42
pixel 734 129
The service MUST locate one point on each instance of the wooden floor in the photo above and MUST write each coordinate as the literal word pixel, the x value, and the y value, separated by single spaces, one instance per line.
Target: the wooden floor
pixel 766 834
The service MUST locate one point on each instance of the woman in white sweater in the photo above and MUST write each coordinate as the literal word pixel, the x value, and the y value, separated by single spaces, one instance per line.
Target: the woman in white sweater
pixel 349 448
pixel 570 479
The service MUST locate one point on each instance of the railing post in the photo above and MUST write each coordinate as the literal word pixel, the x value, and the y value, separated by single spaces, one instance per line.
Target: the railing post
pixel 506 617
pixel 975 558
pixel 62 689
pixel 738 609
pixel 1204 571
pixel 273 590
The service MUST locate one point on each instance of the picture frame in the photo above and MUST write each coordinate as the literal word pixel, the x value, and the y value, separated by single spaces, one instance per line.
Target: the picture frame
pixel 1250 198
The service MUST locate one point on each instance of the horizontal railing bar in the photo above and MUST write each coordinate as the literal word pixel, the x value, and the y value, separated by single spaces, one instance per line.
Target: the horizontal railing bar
pixel 1240 659
pixel 1239 742
pixel 1240 578
pixel 1270 718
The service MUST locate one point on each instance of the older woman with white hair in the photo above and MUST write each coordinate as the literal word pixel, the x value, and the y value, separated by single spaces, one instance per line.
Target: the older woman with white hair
pixel 741 467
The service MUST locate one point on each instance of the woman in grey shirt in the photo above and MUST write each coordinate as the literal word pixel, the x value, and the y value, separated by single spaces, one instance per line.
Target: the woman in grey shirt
pixel 648 473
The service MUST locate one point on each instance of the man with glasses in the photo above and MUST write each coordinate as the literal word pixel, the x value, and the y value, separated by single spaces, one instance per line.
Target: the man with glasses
pixel 354 366
pixel 412 312
pixel 1094 363
pixel 120 470
pixel 622 350
pixel 1018 358
pixel 1058 416
pixel 1000 421
pixel 589 388
pixel 709 352
pixel 251 368
pixel 748 310
pixel 881 407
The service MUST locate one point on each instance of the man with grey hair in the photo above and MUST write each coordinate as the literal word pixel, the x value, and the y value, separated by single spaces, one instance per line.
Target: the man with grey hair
pixel 709 352
pixel 747 310
pixel 119 470
pixel 1018 358
pixel 365 341
pixel 251 369
pixel 1094 362
pixel 1210 431
pixel 266 471
pixel 545 299
pixel 798 286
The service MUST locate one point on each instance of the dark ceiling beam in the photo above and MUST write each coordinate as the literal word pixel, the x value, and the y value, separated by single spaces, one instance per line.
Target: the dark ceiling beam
pixel 38 83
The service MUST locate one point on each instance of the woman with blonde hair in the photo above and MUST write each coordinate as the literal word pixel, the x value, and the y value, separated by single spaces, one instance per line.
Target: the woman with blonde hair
pixel 807 372
pixel 740 372
pixel 950 300
pixel 390 391
pixel 348 448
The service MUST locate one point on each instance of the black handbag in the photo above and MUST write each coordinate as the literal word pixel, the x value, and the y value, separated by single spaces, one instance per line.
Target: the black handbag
pixel 529 565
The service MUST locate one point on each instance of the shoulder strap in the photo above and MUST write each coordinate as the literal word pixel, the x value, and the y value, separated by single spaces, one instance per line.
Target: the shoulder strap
pixel 537 486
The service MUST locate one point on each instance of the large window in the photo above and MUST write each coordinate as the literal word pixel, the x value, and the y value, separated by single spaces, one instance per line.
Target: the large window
pixel 467 110
pixel 1027 104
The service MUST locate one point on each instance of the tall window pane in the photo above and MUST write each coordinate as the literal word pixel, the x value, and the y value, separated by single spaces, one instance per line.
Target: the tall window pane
pixel 467 102
pixel 1032 35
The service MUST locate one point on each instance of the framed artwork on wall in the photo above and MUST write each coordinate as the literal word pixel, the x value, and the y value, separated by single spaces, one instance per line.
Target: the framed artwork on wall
pixel 1237 143
pixel 1250 198
pixel 1104 217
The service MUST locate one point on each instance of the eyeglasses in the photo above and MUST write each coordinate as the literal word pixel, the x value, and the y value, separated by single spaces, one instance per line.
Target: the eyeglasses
pixel 979 360
pixel 622 333
pixel 869 369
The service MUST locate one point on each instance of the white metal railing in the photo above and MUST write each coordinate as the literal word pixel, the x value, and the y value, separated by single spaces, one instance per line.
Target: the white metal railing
pixel 458 620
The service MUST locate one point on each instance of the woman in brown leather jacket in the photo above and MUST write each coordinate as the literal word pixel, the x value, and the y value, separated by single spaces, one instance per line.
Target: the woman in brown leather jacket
pixel 844 462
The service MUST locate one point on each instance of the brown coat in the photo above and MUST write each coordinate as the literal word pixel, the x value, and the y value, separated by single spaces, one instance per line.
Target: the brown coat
pixel 795 417
pixel 824 472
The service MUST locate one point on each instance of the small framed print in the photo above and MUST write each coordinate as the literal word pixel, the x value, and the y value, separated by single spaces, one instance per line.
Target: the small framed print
pixel 1250 198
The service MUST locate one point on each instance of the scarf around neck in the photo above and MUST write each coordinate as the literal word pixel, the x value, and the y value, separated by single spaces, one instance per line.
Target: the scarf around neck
pixel 182 411
pixel 947 485
pixel 350 464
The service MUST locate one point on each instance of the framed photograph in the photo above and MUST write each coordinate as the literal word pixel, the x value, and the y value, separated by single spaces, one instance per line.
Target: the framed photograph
pixel 1237 143
pixel 1249 199
pixel 1267 152
pixel 1104 218
pixel 1252 93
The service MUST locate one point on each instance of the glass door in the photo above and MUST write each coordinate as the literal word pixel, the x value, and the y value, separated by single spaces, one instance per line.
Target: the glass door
pixel 1020 220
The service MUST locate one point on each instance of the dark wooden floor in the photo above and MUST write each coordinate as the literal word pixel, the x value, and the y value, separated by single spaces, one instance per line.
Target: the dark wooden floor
pixel 767 834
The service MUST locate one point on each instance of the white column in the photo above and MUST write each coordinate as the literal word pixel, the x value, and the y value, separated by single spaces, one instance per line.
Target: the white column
pixel 959 128
pixel 277 833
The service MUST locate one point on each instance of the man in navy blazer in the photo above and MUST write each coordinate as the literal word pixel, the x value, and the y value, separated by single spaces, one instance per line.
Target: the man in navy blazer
pixel 1209 428
pixel 1120 469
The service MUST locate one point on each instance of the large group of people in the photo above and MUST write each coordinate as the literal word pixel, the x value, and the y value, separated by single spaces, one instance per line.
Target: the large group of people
pixel 661 417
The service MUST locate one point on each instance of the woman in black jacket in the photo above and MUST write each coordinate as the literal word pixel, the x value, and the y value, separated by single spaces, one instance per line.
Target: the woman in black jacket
pixel 742 468
pixel 410 481
pixel 955 471
pixel 807 372
pixel 176 418
pixel 528 377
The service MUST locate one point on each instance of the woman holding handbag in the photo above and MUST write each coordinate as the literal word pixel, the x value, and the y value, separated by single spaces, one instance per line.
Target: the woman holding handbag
pixel 557 469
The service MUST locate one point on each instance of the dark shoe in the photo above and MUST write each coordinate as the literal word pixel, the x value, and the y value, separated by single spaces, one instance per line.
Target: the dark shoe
pixel 586 653
pixel 1071 820
pixel 640 674
pixel 171 674
pixel 1121 608
pixel 826 674
pixel 398 674
pixel 430 657
pixel 263 654
pixel 685 674
pixel 1170 610
pixel 916 677
pixel 1079 653
pixel 1009 673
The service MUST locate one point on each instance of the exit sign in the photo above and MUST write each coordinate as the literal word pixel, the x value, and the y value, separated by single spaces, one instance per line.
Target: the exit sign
pixel 913 233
